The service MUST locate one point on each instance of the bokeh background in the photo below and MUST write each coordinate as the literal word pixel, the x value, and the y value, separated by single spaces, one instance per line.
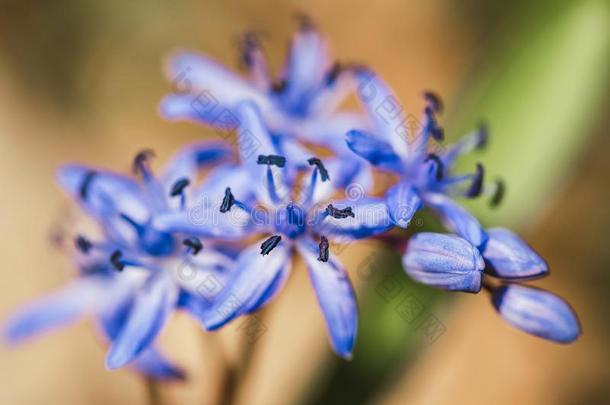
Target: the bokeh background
pixel 80 80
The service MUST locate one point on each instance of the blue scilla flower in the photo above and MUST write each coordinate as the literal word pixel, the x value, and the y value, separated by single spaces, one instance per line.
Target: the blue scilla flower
pixel 132 276
pixel 291 220
pixel 300 105
pixel 537 312
pixel 425 177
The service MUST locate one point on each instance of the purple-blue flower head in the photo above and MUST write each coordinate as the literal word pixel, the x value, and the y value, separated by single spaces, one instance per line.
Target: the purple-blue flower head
pixel 131 275
pixel 294 218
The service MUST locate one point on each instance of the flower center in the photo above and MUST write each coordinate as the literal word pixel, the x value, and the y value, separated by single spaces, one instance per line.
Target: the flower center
pixel 291 221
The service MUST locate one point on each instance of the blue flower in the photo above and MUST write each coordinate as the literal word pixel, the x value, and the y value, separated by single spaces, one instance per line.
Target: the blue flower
pixel 425 173
pixel 293 220
pixel 537 312
pixel 132 276
pixel 301 105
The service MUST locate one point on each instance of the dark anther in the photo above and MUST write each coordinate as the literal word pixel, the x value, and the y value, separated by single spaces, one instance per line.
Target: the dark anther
pixel 339 213
pixel 433 101
pixel 268 245
pixel 249 42
pixel 115 260
pixel 305 22
pixel 82 244
pixel 86 183
pixel 323 256
pixel 333 73
pixel 227 201
pixel 482 136
pixel 141 158
pixel 498 195
pixel 278 86
pixel 476 187
pixel 179 187
pixel 275 160
pixel 440 168
pixel 194 244
pixel 314 161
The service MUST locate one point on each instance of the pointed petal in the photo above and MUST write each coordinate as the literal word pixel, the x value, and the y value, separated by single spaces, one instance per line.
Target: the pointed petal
pixel 148 314
pixel 188 160
pixel 403 202
pixel 371 217
pixel 254 282
pixel 444 261
pixel 510 257
pixel 200 75
pixel 379 153
pixel 205 221
pixel 101 192
pixel 384 110
pixel 537 312
pixel 306 68
pixel 153 364
pixel 335 296
pixel 328 130
pixel 456 219
pixel 79 298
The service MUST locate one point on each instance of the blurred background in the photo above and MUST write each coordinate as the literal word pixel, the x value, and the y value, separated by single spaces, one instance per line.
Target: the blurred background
pixel 81 81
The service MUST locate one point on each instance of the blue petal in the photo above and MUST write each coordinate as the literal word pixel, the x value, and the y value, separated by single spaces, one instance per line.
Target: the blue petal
pixel 537 312
pixel 63 307
pixel 509 257
pixel 403 202
pixel 456 219
pixel 335 297
pixel 188 160
pixel 205 221
pixel 204 77
pixel 384 110
pixel 255 281
pixel 197 108
pixel 306 68
pixel 444 261
pixel 371 217
pixel 378 152
pixel 150 362
pixel 328 130
pixel 104 192
pixel 153 364
pixel 147 316
pixel 211 192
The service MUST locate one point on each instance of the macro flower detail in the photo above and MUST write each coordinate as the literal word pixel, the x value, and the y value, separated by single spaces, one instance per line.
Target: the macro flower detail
pixel 300 220
pixel 131 276
pixel 537 312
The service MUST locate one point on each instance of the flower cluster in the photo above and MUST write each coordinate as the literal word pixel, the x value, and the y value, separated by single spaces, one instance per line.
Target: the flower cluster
pixel 274 197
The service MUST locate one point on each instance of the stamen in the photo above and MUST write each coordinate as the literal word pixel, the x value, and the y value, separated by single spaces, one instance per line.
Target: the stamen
pixel 275 160
pixel 333 73
pixel 314 161
pixel 130 221
pixel 433 101
pixel 482 136
pixel 227 201
pixel 249 42
pixel 115 260
pixel 339 213
pixel 83 244
pixel 498 195
pixel 432 126
pixel 179 187
pixel 323 256
pixel 278 86
pixel 476 187
pixel 304 20
pixel 140 161
pixel 268 245
pixel 439 165
pixel 84 186
pixel 193 244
